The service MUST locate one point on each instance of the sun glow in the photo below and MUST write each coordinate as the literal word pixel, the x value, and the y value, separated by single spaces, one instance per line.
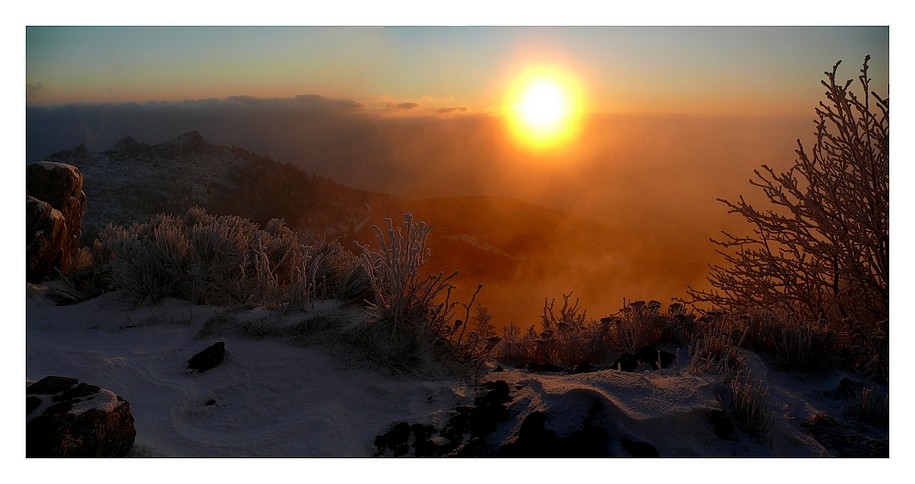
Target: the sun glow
pixel 545 108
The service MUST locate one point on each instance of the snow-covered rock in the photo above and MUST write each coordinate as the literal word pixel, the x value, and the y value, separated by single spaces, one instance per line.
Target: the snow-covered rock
pixel 66 418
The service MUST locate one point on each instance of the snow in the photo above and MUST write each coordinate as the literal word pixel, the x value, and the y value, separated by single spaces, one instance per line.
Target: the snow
pixel 275 397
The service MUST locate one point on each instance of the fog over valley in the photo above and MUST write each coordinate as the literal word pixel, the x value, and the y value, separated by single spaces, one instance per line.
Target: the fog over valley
pixel 643 187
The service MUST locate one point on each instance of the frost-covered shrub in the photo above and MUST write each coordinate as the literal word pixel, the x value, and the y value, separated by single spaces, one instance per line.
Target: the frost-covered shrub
pixel 221 257
pixel 564 338
pixel 715 351
pixel 795 343
pixel 90 273
pixel 402 293
pixel 355 286
pixel 517 346
pixel 149 259
pixel 864 348
pixel 413 309
pixel 640 324
pixel 818 247
pixel 224 260
pixel 789 342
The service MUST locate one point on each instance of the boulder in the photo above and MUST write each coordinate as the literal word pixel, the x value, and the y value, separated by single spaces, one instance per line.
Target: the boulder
pixel 66 418
pixel 46 242
pixel 208 358
pixel 60 186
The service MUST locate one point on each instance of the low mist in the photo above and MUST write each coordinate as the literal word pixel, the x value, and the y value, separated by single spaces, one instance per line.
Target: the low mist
pixel 647 185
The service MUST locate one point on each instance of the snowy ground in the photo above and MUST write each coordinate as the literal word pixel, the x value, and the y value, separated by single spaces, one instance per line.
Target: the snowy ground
pixel 273 397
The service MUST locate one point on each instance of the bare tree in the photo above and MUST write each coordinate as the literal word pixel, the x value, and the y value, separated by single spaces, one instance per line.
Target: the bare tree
pixel 820 249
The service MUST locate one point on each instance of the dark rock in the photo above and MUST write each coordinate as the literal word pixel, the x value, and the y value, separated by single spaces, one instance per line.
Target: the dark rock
pixel 647 357
pixel 457 427
pixel 638 449
pixel 31 403
pixel 70 419
pixel 464 432
pixel 210 402
pixel 545 368
pixel 489 409
pixel 593 438
pixel 61 187
pixel 485 419
pixel 722 425
pixel 626 362
pixel 667 358
pixel 498 393
pixel 393 442
pixel 423 446
pixel 535 440
pixel 584 368
pixel 848 388
pixel 651 355
pixel 475 447
pixel 208 358
pixel 498 369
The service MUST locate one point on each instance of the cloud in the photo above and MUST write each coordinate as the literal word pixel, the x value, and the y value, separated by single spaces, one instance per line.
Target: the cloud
pixel 33 88
pixel 451 109
pixel 406 106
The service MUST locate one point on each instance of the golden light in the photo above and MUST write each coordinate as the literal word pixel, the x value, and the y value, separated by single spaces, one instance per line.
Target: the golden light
pixel 545 108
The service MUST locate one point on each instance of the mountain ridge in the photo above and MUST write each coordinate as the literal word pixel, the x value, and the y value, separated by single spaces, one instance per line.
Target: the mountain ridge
pixel 522 252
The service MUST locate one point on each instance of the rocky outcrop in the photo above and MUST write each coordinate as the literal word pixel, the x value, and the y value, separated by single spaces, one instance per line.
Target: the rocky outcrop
pixel 66 418
pixel 55 205
pixel 462 435
pixel 46 239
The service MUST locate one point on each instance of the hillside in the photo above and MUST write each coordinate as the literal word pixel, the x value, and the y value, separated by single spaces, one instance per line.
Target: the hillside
pixel 521 252
pixel 133 180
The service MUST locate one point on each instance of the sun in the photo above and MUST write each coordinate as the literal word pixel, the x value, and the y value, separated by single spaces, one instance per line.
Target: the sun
pixel 544 108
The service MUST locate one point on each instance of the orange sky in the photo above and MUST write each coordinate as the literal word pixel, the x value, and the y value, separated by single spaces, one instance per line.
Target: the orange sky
pixel 720 70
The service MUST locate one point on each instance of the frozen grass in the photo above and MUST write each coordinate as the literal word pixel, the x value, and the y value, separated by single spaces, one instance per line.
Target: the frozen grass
pixel 566 336
pixel 749 404
pixel 230 261
pixel 226 260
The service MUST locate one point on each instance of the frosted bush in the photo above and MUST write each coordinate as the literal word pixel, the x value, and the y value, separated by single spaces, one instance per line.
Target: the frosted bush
pixel 225 260
pixel 149 259
pixel 413 313
pixel 402 294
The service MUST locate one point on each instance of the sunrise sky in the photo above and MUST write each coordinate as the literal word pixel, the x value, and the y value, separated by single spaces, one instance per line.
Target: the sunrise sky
pixel 718 70
pixel 641 128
